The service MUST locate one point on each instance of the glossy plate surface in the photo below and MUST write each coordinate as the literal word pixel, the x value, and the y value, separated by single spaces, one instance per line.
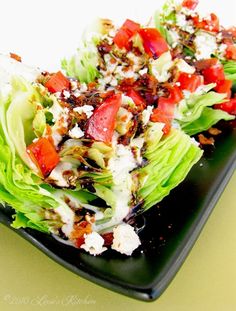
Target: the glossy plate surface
pixel 170 230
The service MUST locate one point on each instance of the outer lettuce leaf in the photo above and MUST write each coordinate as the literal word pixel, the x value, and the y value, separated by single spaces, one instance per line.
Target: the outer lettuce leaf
pixel 83 65
pixel 230 70
pixel 194 115
pixel 169 162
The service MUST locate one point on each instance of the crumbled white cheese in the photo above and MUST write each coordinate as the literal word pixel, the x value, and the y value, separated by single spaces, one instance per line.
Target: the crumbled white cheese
pixel 67 216
pixel 146 114
pixel 76 132
pixel 143 71
pixel 66 94
pixel 87 109
pixel 205 44
pixel 83 87
pixel 93 243
pixel 181 20
pixel 125 239
pixel 184 67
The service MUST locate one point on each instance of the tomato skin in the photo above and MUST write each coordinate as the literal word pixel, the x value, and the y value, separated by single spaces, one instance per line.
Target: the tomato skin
pixel 137 99
pixel 45 155
pixel 101 124
pixel 159 115
pixel 154 44
pixel 214 74
pixel 57 83
pixel 229 106
pixel 190 82
pixel 224 86
pixel 125 33
pixel 209 24
pixel 190 4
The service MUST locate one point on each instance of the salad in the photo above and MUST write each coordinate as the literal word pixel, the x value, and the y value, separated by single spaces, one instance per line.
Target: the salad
pixel 86 149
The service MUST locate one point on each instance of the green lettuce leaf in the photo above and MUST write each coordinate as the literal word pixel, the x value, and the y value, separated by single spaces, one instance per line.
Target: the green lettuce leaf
pixel 169 162
pixel 230 70
pixel 194 115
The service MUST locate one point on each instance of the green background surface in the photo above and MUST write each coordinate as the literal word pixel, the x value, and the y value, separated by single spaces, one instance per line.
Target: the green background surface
pixel 206 282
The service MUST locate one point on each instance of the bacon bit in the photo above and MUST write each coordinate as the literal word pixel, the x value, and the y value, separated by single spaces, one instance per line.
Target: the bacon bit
pixel 108 238
pixel 16 57
pixel 205 141
pixel 80 229
pixel 214 131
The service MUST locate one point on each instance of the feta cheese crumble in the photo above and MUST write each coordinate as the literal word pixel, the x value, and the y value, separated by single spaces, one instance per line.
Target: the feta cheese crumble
pixel 125 239
pixel 205 44
pixel 76 132
pixel 93 243
pixel 87 109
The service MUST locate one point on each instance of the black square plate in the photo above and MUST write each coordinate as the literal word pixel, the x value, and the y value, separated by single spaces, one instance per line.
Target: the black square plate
pixel 170 231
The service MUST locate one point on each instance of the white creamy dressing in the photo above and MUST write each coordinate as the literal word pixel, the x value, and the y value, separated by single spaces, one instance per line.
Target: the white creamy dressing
pixel 120 166
pixel 57 174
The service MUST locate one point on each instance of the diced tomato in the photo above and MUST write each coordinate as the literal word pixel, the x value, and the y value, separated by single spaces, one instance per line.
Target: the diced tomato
pixel 101 124
pixel 121 39
pixel 44 154
pixel 210 23
pixel 159 116
pixel 131 27
pixel 175 93
pixel 205 63
pixel 137 98
pixel 190 82
pixel 229 106
pixel 214 73
pixel 57 83
pixel 15 56
pixel 167 106
pixel 154 44
pixel 230 52
pixel 125 33
pixel 190 4
pixel 224 86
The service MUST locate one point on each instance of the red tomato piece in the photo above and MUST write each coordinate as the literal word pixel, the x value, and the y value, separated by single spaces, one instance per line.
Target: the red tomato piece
pixel 230 52
pixel 138 100
pixel 159 116
pixel 57 83
pixel 131 27
pixel 190 82
pixel 175 93
pixel 125 33
pixel 154 44
pixel 224 86
pixel 190 4
pixel 167 106
pixel 101 124
pixel 121 39
pixel 44 154
pixel 229 106
pixel 206 63
pixel 214 73
pixel 210 23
